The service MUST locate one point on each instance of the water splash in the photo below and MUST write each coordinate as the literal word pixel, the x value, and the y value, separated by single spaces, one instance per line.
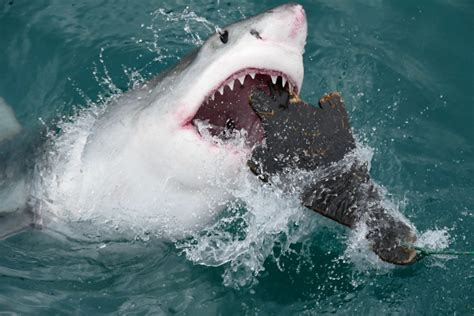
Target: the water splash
pixel 267 222
pixel 245 236
pixel 193 26
pixel 437 239
pixel 360 253
pixel 105 81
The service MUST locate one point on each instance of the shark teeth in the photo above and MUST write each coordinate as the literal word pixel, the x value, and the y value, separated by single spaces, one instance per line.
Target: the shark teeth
pixel 241 79
pixel 274 79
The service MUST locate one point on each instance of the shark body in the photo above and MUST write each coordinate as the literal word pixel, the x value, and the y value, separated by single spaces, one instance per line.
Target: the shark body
pixel 146 155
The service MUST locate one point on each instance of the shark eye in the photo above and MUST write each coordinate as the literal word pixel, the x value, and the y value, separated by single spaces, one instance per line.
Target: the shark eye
pixel 255 33
pixel 224 36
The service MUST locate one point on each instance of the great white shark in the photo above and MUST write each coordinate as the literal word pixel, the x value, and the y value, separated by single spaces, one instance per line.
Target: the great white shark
pixel 153 151
pixel 145 153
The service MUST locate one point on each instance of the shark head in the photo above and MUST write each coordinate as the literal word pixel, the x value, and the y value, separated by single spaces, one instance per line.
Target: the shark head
pixel 259 52
pixel 148 154
pixel 213 84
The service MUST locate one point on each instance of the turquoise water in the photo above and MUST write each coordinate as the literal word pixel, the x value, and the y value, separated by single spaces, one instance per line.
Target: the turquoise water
pixel 406 70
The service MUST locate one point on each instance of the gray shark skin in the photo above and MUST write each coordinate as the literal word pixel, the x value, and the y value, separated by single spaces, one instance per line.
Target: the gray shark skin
pixel 301 136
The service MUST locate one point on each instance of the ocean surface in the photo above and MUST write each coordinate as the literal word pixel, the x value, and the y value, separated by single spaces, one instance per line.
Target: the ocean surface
pixel 406 71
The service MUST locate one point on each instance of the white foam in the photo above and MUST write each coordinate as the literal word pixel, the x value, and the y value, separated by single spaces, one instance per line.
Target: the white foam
pixel 359 252
pixel 242 239
pixel 437 239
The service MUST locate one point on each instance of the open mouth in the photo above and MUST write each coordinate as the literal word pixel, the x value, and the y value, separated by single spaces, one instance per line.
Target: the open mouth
pixel 226 111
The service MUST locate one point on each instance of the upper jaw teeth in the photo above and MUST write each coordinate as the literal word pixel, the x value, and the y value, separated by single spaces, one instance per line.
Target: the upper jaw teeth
pixel 241 79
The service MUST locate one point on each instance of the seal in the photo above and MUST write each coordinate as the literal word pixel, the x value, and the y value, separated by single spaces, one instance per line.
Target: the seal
pixel 305 137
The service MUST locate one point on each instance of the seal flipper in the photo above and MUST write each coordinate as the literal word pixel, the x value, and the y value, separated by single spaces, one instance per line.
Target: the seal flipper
pixel 301 136
pixel 349 197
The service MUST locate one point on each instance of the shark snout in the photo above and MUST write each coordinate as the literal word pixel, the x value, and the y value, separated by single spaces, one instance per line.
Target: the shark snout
pixel 299 26
pixel 288 25
pixel 298 10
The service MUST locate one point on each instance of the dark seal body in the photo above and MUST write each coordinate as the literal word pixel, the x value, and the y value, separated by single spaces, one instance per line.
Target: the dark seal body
pixel 301 136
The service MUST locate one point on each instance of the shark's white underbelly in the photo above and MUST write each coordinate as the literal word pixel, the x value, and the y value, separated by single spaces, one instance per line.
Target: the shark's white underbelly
pixel 113 171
